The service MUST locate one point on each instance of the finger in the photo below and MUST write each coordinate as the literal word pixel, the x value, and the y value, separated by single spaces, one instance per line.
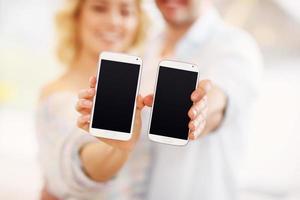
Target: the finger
pixel 86 93
pixel 139 102
pixel 197 108
pixel 194 124
pixel 83 104
pixel 92 81
pixel 193 135
pixel 202 89
pixel 137 120
pixel 83 122
pixel 148 100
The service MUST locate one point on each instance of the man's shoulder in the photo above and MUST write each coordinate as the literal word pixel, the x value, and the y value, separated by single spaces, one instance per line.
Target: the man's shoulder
pixel 235 46
pixel 231 38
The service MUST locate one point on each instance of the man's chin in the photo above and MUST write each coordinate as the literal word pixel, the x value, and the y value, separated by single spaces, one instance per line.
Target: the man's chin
pixel 176 20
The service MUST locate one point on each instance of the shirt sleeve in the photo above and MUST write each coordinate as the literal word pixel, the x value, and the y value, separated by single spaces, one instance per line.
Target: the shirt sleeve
pixel 59 143
pixel 237 70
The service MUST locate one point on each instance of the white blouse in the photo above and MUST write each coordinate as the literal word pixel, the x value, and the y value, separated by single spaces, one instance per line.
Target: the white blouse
pixel 59 143
pixel 205 169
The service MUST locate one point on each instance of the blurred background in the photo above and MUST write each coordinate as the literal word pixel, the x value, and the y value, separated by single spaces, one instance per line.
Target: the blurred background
pixel 271 168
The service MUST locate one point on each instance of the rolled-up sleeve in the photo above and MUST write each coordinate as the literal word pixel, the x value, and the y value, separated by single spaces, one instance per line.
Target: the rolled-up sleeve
pixel 237 70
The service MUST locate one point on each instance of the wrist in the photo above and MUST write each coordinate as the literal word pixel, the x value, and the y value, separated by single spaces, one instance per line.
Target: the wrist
pixel 122 151
pixel 101 161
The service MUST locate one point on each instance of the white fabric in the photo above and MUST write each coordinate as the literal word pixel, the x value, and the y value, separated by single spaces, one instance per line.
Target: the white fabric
pixel 59 145
pixel 204 169
pixel 207 168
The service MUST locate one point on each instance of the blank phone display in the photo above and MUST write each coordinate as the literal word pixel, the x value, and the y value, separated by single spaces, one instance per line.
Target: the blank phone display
pixel 172 102
pixel 115 97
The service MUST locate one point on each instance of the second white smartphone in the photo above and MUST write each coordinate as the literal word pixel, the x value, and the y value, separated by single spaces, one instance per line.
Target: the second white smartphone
pixel 116 93
pixel 169 119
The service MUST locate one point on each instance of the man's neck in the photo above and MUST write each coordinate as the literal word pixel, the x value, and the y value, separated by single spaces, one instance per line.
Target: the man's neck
pixel 174 33
pixel 173 36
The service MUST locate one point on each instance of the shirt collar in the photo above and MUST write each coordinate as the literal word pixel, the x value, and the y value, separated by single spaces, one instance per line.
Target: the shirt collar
pixel 200 31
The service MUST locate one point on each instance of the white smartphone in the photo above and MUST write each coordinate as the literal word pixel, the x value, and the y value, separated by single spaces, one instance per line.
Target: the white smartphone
pixel 169 118
pixel 116 93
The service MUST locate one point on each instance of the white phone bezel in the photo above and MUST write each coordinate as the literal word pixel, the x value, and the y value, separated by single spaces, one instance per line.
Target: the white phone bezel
pixel 174 65
pixel 118 57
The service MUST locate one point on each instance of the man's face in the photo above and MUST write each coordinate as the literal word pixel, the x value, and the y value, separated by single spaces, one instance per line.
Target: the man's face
pixel 179 12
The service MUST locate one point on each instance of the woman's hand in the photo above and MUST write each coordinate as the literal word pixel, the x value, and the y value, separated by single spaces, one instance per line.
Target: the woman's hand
pixel 84 107
pixel 198 113
pixel 45 195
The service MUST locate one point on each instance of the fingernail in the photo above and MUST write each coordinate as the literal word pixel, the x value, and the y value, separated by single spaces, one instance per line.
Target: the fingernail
pixel 192 136
pixel 197 134
pixel 139 97
pixel 192 126
pixel 87 103
pixel 202 125
pixel 194 113
pixel 92 78
pixel 82 119
pixel 195 96
pixel 197 122
pixel 91 91
pixel 208 86
pixel 202 105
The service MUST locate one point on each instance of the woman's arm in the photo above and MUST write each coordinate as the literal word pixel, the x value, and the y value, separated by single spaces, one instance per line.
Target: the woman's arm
pixel 102 160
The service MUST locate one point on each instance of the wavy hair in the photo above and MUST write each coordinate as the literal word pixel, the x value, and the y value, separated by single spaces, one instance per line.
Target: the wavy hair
pixel 66 26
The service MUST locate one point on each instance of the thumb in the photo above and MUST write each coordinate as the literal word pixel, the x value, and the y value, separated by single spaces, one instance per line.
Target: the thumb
pixel 203 88
pixel 148 100
pixel 92 81
pixel 139 102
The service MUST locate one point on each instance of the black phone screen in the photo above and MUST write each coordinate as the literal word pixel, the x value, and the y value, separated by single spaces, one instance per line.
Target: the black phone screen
pixel 172 102
pixel 115 97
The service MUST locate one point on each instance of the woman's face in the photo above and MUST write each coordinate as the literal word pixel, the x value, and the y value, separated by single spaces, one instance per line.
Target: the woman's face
pixel 107 25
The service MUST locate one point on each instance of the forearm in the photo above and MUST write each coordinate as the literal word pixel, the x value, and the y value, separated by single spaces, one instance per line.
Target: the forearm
pixel 217 102
pixel 101 162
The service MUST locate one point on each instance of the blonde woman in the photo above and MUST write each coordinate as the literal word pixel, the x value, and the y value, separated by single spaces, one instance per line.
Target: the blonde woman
pixel 67 156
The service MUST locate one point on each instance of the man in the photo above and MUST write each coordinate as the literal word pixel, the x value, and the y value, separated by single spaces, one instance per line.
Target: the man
pixel 207 167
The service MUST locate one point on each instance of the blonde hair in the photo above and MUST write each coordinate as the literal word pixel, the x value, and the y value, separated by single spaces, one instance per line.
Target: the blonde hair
pixel 66 25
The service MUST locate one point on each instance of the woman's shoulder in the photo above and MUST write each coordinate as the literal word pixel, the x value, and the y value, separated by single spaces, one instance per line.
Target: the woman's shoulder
pixel 49 89
pixel 55 111
pixel 61 84
pixel 57 98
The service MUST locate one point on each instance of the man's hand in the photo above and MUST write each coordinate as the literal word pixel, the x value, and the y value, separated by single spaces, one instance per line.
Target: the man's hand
pixel 198 112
